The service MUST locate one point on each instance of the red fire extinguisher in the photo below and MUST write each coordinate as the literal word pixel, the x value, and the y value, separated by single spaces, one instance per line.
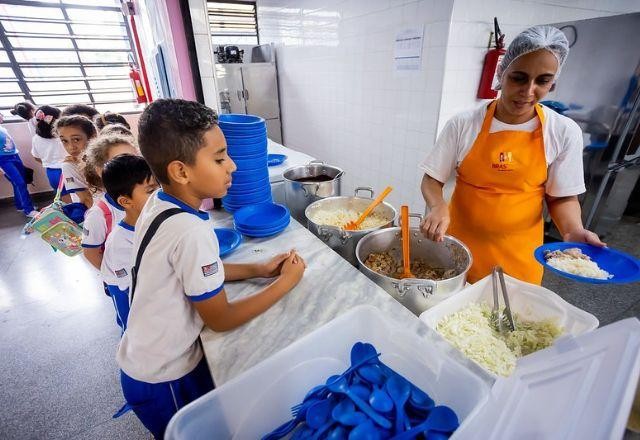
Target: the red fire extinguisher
pixel 141 96
pixel 491 61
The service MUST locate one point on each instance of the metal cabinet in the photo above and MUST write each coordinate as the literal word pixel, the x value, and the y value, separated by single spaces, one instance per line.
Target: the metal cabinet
pixel 251 88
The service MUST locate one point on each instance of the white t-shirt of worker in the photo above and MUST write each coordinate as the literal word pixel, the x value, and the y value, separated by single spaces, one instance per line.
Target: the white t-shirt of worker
pixel 180 266
pixel 73 179
pixel 563 145
pixel 117 259
pixel 94 227
pixel 49 151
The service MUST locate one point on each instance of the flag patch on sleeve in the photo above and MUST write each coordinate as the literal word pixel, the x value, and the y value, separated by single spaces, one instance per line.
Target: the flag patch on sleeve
pixel 121 273
pixel 210 269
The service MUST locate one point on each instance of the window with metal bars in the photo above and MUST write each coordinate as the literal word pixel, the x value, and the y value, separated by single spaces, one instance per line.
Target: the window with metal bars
pixel 233 22
pixel 61 52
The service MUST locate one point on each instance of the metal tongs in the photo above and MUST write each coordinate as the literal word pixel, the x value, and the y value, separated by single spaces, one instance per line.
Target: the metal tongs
pixel 497 317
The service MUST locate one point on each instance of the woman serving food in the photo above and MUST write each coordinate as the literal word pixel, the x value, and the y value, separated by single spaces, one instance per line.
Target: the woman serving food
pixel 510 156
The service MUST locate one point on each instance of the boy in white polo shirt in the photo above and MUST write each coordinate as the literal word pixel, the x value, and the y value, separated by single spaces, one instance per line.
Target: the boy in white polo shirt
pixel 178 281
pixel 127 179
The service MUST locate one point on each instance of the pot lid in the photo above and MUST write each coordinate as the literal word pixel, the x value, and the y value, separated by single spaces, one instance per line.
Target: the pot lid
pixel 579 388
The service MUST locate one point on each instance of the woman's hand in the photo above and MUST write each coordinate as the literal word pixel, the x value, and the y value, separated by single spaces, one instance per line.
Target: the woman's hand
pixel 273 267
pixel 436 223
pixel 583 236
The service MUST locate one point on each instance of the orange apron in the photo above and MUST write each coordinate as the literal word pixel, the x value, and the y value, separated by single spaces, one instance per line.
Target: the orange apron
pixel 496 209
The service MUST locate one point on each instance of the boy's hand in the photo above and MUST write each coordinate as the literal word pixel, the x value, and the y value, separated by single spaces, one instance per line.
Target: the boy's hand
pixel 293 269
pixel 273 267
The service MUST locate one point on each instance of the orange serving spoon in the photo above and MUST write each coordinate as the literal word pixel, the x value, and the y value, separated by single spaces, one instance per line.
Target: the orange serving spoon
pixel 404 228
pixel 353 226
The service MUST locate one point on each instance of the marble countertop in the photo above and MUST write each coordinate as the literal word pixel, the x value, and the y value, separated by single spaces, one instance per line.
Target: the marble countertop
pixel 294 159
pixel 330 287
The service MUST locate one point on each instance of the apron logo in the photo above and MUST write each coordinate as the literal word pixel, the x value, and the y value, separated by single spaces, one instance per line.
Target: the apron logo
pixel 210 269
pixel 505 161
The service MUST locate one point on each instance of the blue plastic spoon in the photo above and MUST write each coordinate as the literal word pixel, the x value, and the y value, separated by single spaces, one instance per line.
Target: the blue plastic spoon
pixel 380 400
pixel 342 387
pixel 420 400
pixel 371 373
pixel 318 413
pixel 399 391
pixel 441 418
pixel 345 413
pixel 338 433
pixel 361 390
pixel 365 431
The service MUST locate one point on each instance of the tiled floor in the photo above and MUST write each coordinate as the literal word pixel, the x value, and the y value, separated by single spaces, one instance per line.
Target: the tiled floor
pixel 58 337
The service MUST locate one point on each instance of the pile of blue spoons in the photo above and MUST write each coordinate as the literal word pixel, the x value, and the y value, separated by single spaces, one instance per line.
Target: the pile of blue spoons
pixel 369 401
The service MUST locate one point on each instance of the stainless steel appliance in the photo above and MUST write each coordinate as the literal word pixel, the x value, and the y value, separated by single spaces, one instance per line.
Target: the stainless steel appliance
pixel 342 241
pixel 251 88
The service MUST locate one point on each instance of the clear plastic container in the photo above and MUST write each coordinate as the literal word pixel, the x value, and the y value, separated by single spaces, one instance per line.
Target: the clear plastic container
pixel 529 301
pixel 260 399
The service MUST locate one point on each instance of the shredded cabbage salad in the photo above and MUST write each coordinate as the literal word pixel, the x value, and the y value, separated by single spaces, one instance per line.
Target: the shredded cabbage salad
pixel 471 331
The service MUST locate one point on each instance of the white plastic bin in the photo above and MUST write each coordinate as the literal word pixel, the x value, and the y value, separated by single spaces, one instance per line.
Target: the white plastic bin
pixel 530 301
pixel 260 399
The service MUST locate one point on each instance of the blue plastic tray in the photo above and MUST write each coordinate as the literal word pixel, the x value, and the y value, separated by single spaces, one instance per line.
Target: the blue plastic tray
pixel 264 233
pixel 264 215
pixel 624 267
pixel 276 159
pixel 240 120
pixel 249 176
pixel 233 206
pixel 246 199
pixel 249 186
pixel 251 163
pixel 228 239
pixel 234 141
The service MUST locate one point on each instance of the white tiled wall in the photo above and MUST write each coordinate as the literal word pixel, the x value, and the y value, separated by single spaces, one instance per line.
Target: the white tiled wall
pixel 341 99
pixel 204 50
pixel 472 21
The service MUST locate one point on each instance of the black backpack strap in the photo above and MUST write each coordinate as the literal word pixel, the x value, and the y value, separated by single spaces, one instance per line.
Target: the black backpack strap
pixel 153 228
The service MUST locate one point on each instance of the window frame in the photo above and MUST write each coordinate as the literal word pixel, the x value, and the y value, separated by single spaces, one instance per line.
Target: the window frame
pixel 74 81
pixel 213 35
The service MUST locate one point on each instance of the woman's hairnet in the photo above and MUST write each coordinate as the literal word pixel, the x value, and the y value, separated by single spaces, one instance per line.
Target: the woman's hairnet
pixel 532 39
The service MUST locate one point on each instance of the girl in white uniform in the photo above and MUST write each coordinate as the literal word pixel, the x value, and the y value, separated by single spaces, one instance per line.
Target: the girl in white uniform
pixel 105 214
pixel 46 147
pixel 75 133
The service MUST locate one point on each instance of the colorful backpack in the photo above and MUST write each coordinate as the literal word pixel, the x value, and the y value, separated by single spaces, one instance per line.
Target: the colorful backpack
pixel 56 228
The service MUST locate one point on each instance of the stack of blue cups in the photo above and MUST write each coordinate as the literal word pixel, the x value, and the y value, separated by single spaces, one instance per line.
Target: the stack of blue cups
pixel 246 137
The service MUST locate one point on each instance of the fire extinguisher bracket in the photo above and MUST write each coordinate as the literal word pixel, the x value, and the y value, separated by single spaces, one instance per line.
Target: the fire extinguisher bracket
pixel 491 61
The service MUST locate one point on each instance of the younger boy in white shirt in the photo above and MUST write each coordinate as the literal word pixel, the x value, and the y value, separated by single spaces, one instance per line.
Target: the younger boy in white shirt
pixel 127 179
pixel 178 286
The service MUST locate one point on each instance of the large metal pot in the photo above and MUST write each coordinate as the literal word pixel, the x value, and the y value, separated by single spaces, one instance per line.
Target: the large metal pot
pixel 341 241
pixel 417 294
pixel 306 184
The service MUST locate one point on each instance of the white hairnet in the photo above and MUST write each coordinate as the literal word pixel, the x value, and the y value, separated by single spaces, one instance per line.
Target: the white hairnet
pixel 532 39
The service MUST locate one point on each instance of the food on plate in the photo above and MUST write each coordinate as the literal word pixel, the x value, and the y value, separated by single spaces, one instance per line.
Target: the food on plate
pixel 573 261
pixel 385 264
pixel 340 217
pixel 471 331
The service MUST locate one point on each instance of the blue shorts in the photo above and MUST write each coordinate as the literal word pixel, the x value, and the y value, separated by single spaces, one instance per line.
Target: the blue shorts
pixel 53 176
pixel 155 403
pixel 120 300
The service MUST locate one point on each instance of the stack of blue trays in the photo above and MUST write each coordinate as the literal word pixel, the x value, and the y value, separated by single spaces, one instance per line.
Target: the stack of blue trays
pixel 246 137
pixel 261 220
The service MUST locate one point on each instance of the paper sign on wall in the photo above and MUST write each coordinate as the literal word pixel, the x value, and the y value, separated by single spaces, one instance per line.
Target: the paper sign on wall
pixel 408 49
